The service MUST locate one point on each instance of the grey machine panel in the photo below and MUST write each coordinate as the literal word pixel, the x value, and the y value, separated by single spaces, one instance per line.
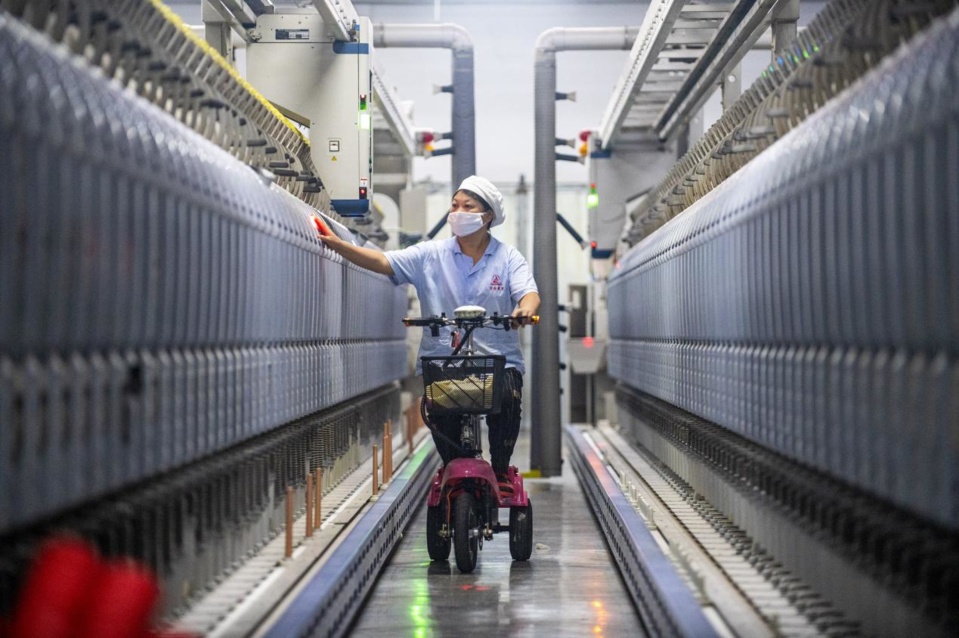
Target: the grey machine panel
pixel 162 303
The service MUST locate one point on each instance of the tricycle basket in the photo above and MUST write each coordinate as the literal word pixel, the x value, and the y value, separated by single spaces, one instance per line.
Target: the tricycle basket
pixel 464 384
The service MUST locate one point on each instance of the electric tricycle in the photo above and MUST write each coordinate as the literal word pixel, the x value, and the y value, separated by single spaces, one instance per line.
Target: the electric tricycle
pixel 465 497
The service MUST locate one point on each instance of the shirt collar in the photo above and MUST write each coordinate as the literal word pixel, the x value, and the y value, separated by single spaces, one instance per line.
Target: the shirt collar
pixel 490 249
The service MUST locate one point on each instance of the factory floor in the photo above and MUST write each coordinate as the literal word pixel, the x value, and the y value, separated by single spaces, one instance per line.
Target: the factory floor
pixel 569 587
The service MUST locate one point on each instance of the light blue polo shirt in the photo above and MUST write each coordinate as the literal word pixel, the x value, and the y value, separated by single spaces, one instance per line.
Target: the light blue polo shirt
pixel 446 279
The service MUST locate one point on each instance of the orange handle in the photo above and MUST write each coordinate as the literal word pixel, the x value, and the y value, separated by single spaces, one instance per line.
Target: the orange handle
pixel 321 226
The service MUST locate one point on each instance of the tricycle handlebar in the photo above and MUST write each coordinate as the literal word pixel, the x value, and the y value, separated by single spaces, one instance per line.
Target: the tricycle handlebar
pixel 495 320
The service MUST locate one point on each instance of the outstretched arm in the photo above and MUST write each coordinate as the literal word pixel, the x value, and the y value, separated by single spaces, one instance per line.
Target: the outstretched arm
pixel 363 257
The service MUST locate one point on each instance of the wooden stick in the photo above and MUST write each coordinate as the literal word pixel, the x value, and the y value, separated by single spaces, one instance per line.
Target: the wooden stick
pixel 318 494
pixel 387 453
pixel 376 472
pixel 309 504
pixel 289 522
pixel 416 415
pixel 409 433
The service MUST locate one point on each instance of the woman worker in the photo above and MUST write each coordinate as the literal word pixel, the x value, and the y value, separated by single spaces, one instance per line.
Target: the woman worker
pixel 470 268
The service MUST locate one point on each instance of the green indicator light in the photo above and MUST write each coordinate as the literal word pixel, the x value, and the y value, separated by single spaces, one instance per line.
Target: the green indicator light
pixel 815 48
pixel 592 200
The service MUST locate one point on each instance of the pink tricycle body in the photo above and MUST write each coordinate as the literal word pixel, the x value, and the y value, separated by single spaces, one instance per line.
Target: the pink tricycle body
pixel 466 474
pixel 463 510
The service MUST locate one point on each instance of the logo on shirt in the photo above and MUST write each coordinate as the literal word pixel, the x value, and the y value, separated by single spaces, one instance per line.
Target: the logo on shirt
pixel 496 284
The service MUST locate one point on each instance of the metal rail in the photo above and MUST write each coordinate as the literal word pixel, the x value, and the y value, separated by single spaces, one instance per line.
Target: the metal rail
pixel 643 59
pixel 843 41
pixel 750 590
pixel 742 26
pixel 237 15
pixel 334 593
pixel 340 16
pixel 681 51
pixel 664 602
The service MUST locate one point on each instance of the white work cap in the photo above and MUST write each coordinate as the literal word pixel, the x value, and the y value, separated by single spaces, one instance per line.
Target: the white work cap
pixel 490 194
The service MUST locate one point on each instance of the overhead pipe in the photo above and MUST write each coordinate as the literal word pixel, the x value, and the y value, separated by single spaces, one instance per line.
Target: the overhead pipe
pixel 457 39
pixel 572 231
pixel 545 448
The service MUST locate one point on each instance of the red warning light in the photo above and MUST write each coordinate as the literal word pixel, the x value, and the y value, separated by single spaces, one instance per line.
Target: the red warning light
pixel 593 245
pixel 362 192
pixel 588 342
pixel 584 135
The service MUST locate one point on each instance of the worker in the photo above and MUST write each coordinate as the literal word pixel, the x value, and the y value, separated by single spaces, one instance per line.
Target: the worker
pixel 470 268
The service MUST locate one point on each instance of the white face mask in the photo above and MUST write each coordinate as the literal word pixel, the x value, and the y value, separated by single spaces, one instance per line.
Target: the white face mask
pixel 464 224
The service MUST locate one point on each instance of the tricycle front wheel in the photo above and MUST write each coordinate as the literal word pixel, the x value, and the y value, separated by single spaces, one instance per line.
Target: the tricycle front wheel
pixel 521 532
pixel 465 540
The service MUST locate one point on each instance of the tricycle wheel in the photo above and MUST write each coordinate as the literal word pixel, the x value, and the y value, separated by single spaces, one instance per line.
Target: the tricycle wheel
pixel 465 541
pixel 521 532
pixel 437 546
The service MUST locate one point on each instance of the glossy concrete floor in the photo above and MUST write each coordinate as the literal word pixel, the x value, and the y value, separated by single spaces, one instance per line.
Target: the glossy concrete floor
pixel 570 586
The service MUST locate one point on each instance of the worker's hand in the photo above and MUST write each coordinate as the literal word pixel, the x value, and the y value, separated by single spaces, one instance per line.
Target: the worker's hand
pixel 332 242
pixel 521 317
pixel 368 258
pixel 326 235
pixel 321 226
